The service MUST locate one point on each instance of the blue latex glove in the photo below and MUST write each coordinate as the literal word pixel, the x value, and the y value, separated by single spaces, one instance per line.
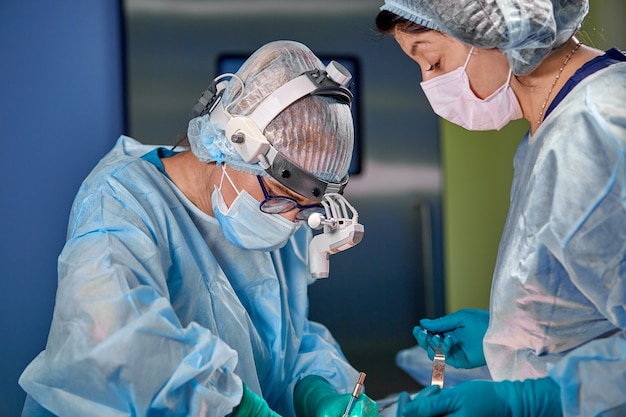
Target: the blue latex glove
pixel 315 397
pixel 528 398
pixel 404 398
pixel 462 333
pixel 252 405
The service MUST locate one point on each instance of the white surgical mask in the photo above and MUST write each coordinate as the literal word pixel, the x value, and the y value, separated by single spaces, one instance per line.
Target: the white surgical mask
pixel 246 226
pixel 452 98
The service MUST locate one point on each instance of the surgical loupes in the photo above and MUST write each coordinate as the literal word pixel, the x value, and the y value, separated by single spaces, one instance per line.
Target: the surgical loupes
pixel 341 231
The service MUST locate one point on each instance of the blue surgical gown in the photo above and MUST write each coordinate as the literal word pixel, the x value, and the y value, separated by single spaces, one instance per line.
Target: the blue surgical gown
pixel 558 298
pixel 157 314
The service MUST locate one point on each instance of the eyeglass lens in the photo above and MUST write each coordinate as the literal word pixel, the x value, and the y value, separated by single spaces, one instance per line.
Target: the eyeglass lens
pixel 283 204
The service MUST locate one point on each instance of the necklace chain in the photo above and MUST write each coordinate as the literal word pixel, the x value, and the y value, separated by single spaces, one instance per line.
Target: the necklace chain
pixel 556 79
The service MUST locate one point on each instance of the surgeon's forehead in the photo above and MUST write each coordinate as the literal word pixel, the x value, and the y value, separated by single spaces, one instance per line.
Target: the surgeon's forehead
pixel 420 42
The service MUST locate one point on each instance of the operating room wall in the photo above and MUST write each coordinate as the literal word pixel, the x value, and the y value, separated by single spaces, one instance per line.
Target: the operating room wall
pixel 478 169
pixel 61 109
pixel 377 290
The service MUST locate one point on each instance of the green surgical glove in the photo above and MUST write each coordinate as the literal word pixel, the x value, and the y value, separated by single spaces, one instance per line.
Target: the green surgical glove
pixel 252 405
pixel 462 332
pixel 528 398
pixel 315 397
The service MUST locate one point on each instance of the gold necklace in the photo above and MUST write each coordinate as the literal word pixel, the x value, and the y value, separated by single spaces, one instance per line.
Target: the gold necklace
pixel 556 79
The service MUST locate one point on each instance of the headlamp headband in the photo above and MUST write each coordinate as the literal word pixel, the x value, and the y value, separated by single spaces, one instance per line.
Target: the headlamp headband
pixel 330 82
pixel 246 132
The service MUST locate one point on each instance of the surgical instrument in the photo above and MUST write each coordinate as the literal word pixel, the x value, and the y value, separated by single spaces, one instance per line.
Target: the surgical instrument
pixel 355 395
pixel 342 230
pixel 435 341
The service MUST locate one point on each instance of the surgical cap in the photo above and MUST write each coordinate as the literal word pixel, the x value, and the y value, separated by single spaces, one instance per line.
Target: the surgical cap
pixel 525 30
pixel 316 133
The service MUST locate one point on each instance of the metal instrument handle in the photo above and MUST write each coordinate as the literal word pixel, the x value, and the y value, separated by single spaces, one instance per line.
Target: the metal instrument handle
pixel 439 364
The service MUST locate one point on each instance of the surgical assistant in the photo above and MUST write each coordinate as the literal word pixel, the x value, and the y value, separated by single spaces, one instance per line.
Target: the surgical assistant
pixel 183 282
pixel 554 338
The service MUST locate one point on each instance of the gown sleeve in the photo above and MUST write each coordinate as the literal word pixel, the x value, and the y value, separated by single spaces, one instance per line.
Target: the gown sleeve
pixel 317 352
pixel 116 347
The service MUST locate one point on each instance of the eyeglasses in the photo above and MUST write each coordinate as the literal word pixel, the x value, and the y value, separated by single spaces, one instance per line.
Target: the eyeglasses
pixel 281 204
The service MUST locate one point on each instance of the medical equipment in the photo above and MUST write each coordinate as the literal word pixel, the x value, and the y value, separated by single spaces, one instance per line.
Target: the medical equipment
pixel 439 367
pixel 435 341
pixel 341 231
pixel 245 133
pixel 355 394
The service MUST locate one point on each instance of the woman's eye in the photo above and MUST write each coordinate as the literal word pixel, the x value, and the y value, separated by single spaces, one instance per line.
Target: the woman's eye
pixel 433 66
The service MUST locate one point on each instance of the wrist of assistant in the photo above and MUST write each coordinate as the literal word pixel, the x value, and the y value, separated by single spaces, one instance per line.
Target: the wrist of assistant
pixel 532 397
pixel 308 394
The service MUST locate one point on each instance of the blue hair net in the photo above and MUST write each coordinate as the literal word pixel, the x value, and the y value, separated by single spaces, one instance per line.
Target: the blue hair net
pixel 525 30
pixel 316 133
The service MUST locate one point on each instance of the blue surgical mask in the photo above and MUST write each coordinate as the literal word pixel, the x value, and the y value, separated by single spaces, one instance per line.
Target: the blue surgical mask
pixel 246 226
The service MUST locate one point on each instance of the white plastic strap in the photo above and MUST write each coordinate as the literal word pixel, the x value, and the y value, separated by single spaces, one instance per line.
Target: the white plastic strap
pixel 219 115
pixel 280 99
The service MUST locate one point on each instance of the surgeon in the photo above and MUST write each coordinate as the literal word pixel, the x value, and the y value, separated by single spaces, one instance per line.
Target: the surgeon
pixel 182 288
pixel 554 337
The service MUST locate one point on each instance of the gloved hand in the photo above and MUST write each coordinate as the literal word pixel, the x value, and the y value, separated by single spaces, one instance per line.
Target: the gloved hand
pixel 405 398
pixel 528 398
pixel 252 405
pixel 315 397
pixel 462 332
